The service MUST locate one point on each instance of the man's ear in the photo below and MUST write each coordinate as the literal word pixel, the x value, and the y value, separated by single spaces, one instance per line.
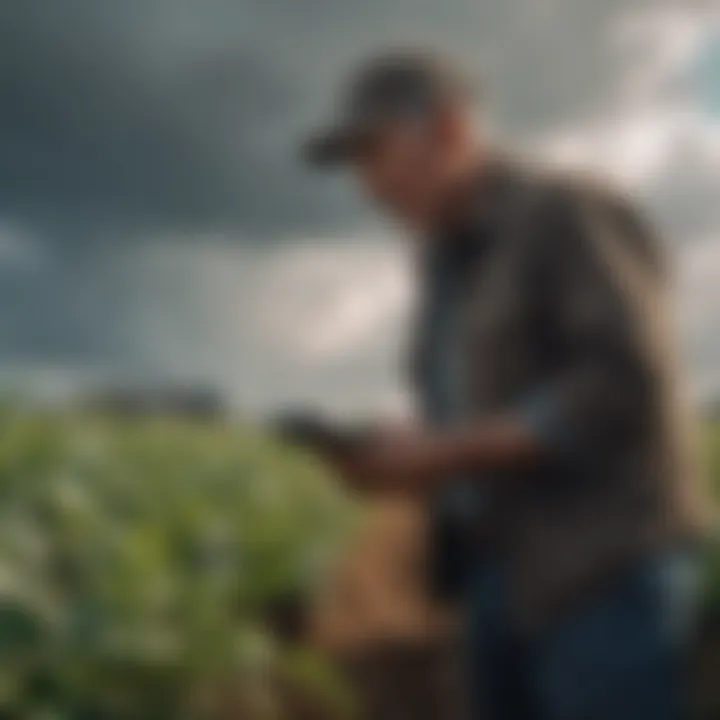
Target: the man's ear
pixel 450 125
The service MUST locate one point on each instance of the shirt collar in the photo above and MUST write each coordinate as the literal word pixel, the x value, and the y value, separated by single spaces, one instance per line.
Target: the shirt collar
pixel 472 201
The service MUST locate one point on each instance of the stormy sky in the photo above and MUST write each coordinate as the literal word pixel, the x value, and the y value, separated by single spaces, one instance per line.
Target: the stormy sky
pixel 155 222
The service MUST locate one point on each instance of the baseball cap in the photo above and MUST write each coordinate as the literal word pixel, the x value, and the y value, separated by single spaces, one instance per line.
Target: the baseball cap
pixel 392 86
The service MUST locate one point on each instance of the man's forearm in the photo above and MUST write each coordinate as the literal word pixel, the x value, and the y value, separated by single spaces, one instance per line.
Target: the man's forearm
pixel 502 442
pixel 418 461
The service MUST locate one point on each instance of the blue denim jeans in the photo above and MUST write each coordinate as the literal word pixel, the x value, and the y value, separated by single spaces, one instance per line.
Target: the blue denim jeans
pixel 621 656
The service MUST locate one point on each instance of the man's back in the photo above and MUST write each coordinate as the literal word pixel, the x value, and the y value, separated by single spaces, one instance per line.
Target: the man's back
pixel 552 413
pixel 563 317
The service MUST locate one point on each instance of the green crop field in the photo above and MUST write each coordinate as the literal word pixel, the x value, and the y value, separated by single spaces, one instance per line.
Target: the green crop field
pixel 138 560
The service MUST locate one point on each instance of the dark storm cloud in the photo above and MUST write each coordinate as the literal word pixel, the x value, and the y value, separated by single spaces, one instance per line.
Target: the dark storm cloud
pixel 100 125
pixel 124 116
pixel 130 124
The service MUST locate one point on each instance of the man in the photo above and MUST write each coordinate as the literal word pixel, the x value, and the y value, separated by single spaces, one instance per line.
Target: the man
pixel 551 448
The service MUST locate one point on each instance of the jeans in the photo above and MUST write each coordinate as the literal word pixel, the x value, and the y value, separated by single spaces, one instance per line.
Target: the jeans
pixel 620 656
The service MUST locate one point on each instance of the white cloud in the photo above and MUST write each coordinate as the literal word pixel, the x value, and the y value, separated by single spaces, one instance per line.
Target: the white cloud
pixel 655 114
pixel 309 322
pixel 326 301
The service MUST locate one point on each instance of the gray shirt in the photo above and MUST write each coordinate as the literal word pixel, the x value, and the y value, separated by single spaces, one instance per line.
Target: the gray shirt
pixel 555 312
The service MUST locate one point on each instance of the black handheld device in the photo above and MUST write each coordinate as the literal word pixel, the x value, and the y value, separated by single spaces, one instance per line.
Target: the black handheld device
pixel 315 432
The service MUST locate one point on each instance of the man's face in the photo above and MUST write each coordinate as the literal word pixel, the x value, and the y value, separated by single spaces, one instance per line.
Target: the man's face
pixel 400 167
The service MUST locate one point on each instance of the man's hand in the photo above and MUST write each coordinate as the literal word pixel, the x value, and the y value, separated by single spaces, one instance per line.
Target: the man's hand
pixel 389 459
pixel 415 460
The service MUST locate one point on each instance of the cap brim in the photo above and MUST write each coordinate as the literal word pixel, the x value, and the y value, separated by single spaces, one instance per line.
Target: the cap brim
pixel 333 147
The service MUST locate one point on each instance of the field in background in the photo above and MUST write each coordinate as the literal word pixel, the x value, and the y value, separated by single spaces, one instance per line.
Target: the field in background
pixel 144 565
pixel 167 568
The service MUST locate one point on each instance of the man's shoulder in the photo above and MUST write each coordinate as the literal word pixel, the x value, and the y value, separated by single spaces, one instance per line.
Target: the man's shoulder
pixel 531 198
pixel 549 195
pixel 558 187
pixel 562 200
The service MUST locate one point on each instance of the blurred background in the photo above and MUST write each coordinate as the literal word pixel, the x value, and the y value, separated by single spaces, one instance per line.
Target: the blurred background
pixel 170 274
